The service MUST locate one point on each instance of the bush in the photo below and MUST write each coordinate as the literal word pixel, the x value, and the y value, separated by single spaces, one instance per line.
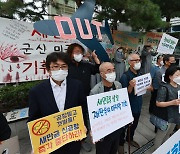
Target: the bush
pixel 15 96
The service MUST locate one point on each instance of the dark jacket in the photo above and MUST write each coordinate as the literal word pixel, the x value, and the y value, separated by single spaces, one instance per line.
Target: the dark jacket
pixel 83 73
pixel 5 131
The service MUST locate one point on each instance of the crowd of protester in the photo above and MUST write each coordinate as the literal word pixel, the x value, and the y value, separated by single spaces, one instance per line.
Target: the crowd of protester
pixel 79 73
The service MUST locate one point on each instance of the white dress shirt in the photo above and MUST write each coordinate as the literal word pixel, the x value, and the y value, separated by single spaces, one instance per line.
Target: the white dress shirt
pixel 59 93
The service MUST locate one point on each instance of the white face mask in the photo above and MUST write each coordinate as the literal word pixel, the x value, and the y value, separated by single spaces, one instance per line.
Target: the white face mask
pixel 78 57
pixel 177 80
pixel 110 77
pixel 161 63
pixel 137 66
pixel 59 75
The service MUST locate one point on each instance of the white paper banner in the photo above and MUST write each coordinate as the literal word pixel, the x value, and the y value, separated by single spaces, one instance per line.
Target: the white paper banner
pixel 23 51
pixel 108 112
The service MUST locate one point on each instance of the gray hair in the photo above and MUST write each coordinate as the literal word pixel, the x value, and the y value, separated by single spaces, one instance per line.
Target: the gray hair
pixel 101 67
pixel 130 56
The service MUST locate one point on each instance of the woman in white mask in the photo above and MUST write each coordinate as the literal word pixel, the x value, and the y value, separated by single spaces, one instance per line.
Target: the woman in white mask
pixel 169 101
pixel 82 71
pixel 79 69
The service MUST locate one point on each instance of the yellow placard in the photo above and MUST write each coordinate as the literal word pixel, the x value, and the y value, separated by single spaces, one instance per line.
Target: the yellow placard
pixel 52 132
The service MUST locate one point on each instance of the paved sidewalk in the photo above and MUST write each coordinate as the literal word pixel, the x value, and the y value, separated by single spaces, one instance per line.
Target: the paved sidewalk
pixel 143 134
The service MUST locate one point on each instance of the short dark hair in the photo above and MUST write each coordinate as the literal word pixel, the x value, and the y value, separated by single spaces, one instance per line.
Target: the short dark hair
pixel 159 57
pixel 166 57
pixel 169 72
pixel 71 48
pixel 54 57
pixel 147 46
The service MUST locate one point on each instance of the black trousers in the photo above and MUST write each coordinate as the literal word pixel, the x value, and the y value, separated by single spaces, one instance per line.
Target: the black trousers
pixel 107 146
pixel 133 127
pixel 153 100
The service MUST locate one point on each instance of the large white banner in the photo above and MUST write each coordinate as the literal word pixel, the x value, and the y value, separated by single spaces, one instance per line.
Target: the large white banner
pixel 23 51
pixel 108 112
pixel 167 44
pixel 171 146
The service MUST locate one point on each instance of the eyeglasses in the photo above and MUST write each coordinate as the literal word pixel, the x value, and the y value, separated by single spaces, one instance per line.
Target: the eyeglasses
pixel 136 60
pixel 58 67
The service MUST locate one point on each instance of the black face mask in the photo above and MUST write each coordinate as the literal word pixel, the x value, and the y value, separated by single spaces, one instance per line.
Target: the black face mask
pixel 173 64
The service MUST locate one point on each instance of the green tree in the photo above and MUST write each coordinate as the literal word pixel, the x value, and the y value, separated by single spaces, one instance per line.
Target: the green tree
pixel 33 11
pixel 140 15
pixel 169 9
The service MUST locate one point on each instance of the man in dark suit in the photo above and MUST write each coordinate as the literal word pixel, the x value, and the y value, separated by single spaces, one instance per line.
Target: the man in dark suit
pixel 57 94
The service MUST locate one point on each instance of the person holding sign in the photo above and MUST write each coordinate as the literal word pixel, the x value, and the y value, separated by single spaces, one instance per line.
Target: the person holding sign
pixel 82 71
pixel 110 143
pixel 135 101
pixel 56 94
pixel 168 103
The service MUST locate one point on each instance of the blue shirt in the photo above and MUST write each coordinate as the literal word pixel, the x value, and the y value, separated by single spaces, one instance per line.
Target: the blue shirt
pixel 153 71
pixel 135 101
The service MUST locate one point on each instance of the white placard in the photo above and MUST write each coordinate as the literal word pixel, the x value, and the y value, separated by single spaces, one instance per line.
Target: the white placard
pixel 167 44
pixel 179 98
pixel 142 83
pixel 141 93
pixel 10 146
pixel 171 146
pixel 108 112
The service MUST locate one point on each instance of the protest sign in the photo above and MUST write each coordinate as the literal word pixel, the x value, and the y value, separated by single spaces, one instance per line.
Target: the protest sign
pixel 142 83
pixel 167 44
pixel 108 112
pixel 171 146
pixel 52 132
pixel 10 146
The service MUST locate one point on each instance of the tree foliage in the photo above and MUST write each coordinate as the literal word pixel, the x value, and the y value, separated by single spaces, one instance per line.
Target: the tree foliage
pixel 169 9
pixel 140 15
